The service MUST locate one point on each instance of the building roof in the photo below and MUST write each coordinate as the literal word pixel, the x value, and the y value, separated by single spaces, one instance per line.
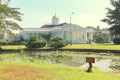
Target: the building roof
pixel 51 26
pixel 36 29
pixel 40 29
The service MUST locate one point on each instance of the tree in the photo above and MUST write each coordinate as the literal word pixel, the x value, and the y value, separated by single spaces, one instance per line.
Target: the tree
pixel 116 41
pixel 46 36
pixel 113 17
pixel 101 37
pixel 9 17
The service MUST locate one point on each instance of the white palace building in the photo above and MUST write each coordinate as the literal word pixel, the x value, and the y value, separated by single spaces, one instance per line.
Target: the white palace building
pixel 72 32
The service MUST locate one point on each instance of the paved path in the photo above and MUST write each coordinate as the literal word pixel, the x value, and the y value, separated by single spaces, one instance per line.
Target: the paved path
pixel 103 65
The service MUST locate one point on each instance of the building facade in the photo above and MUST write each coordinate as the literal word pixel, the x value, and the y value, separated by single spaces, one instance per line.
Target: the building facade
pixel 75 34
pixel 72 32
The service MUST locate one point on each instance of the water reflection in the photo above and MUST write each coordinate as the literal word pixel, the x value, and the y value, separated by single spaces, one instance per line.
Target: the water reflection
pixel 104 61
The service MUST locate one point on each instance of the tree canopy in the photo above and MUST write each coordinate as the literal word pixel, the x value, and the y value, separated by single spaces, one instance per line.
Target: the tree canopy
pixel 113 17
pixel 9 18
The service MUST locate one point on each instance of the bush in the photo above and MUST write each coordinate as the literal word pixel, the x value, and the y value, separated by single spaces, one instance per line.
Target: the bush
pixel 3 42
pixel 100 40
pixel 58 42
pixel 23 43
pixel 116 41
pixel 0 47
pixel 35 42
pixel 101 37
pixel 17 43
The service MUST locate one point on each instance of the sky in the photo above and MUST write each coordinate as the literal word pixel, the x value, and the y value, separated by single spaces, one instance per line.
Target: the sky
pixel 40 12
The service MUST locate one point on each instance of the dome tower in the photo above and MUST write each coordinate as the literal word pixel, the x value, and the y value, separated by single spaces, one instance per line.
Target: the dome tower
pixel 55 20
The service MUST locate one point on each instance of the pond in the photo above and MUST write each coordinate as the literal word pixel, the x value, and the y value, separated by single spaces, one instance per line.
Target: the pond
pixel 104 61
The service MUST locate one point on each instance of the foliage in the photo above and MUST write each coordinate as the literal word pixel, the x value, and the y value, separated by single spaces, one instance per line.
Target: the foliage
pixel 36 42
pixel 8 18
pixel 19 41
pixel 33 38
pixel 58 42
pixel 23 42
pixel 116 41
pixel 101 38
pixel 46 36
pixel 0 47
pixel 113 17
pixel 3 42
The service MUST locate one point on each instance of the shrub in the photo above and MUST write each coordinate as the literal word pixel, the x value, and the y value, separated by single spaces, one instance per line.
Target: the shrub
pixel 116 41
pixel 3 42
pixel 101 37
pixel 17 43
pixel 0 47
pixel 23 42
pixel 58 42
pixel 36 43
pixel 99 40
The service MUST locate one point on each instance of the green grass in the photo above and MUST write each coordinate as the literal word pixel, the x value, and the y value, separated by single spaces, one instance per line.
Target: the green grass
pixel 57 72
pixel 74 46
pixel 94 46
pixel 15 47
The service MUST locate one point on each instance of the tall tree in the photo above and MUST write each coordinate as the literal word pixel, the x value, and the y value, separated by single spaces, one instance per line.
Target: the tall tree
pixel 9 17
pixel 113 17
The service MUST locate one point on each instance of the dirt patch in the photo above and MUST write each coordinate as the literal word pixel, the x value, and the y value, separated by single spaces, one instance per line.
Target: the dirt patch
pixel 19 73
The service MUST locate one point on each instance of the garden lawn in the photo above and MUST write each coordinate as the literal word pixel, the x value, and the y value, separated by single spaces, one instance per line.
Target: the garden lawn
pixel 73 46
pixel 14 47
pixel 94 46
pixel 34 71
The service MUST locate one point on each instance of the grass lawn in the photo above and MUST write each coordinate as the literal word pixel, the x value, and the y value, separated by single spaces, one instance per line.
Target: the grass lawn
pixel 74 46
pixel 94 46
pixel 34 71
pixel 13 47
